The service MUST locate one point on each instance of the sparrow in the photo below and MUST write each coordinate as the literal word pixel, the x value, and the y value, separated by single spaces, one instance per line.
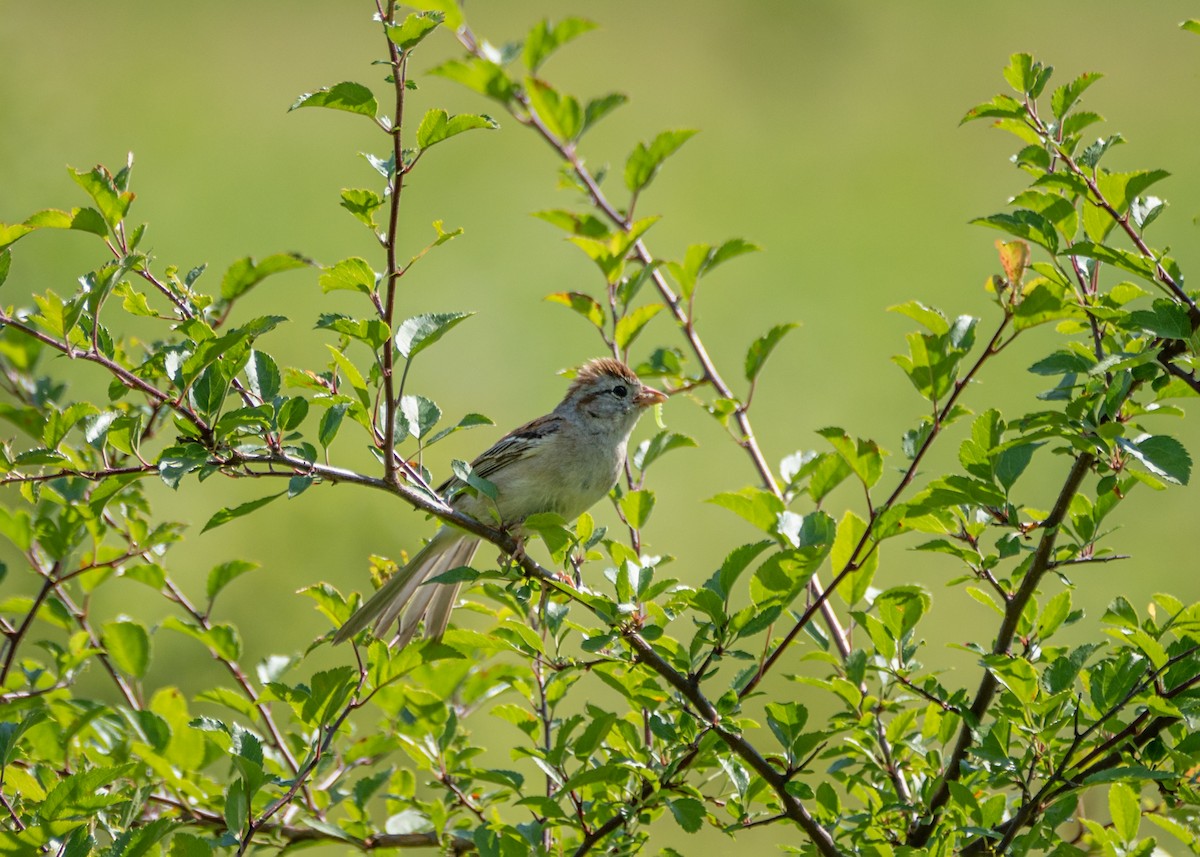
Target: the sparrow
pixel 563 462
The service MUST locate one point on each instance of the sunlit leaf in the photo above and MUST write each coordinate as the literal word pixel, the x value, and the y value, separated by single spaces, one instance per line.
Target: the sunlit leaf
pixel 349 96
pixel 421 331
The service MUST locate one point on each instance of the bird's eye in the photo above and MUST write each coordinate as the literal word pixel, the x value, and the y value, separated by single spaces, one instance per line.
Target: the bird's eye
pixel 619 391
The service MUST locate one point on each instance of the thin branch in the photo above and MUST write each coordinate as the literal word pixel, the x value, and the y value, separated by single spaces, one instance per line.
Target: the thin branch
pixel 94 641
pixel 707 712
pixel 1059 783
pixel 14 637
pixel 295 834
pixel 710 374
pixel 399 63
pixel 69 473
pixel 116 370
pixel 17 823
pixel 863 549
pixel 301 778
pixel 988 685
pixel 243 682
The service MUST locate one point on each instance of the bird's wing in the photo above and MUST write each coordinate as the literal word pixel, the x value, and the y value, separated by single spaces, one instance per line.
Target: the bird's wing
pixel 514 446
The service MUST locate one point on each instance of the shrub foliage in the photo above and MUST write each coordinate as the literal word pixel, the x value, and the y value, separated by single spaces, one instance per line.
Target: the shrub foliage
pixel 638 699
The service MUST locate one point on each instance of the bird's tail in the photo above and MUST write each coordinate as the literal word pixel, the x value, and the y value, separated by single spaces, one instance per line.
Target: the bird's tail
pixel 403 592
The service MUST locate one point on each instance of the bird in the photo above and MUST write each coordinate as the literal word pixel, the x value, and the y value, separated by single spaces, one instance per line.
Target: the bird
pixel 563 462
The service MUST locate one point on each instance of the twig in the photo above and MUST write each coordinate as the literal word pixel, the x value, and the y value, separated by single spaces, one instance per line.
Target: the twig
pixel 988 685
pixel 857 557
pixel 399 63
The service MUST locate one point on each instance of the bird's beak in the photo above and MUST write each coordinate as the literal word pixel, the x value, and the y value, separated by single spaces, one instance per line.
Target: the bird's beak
pixel 648 397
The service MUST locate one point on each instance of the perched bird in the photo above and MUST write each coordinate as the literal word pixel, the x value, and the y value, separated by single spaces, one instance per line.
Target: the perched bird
pixel 563 462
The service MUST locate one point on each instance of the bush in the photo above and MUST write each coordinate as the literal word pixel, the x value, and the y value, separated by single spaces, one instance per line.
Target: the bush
pixel 637 697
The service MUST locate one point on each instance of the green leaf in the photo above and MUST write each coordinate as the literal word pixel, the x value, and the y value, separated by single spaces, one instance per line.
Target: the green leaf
pixel 128 645
pixel 737 562
pixel 81 794
pixel 467 422
pixel 598 108
pixel 1063 363
pixel 1065 96
pixel 1026 224
pixel 762 347
pixel 587 225
pixel 631 324
pixel 79 219
pixel 1162 455
pixel 646 159
pixel 11 732
pixel 901 608
pixel 352 375
pixel 1166 319
pixel 420 413
pixel 438 125
pixel 1191 25
pixel 1020 72
pixel 292 413
pixel 5 264
pixel 1011 463
pixel 224 516
pixel 99 184
pixel 544 39
pixel 353 274
pixel 1016 674
pixel 349 96
pixel 688 812
pixel 930 317
pixel 829 471
pixel 463 471
pixel 483 76
pixel 263 376
pixel 419 332
pixel 759 507
pixel 1002 107
pixel 850 532
pixel 237 807
pixel 636 507
pixel 222 575
pixel 1123 259
pixel 177 461
pixel 610 251
pixel 560 113
pixel 414 28
pixel 331 421
pixel 245 273
pixel 702 258
pixel 371 330
pixel 362 204
pixel 1126 811
pixel 649 451
pixel 864 457
pixel 586 305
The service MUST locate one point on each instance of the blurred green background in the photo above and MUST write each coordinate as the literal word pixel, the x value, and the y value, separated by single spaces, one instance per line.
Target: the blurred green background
pixel 829 136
